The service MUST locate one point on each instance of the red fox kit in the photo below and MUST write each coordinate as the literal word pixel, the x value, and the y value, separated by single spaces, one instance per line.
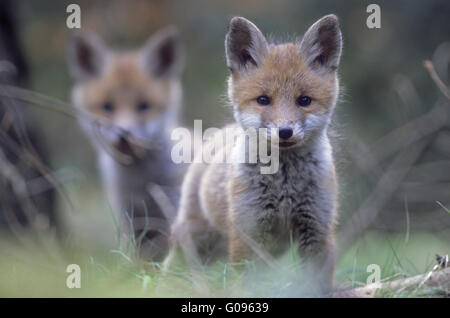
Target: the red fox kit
pixel 133 98
pixel 292 87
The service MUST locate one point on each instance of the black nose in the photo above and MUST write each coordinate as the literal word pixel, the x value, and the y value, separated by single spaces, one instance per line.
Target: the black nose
pixel 285 132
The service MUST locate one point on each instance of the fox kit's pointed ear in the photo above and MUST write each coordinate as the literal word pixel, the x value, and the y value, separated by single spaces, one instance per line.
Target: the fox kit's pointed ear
pixel 86 55
pixel 162 55
pixel 321 45
pixel 245 45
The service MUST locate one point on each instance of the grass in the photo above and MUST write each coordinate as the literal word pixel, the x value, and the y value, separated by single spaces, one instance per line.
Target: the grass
pixel 442 206
pixel 35 266
pixel 29 270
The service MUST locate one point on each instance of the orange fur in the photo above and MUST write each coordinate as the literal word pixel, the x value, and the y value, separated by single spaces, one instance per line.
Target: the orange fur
pixel 125 84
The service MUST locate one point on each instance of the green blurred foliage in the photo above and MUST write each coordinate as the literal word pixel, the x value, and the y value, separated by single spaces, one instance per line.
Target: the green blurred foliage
pixel 410 32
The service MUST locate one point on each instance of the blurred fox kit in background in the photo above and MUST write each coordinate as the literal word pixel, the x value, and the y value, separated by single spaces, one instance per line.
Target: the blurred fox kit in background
pixel 292 87
pixel 131 100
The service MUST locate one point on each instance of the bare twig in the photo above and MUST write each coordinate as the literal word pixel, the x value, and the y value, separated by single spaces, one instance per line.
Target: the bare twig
pixel 405 135
pixel 163 201
pixel 442 87
pixel 360 155
pixel 411 101
pixel 37 164
pixel 431 279
pixel 384 189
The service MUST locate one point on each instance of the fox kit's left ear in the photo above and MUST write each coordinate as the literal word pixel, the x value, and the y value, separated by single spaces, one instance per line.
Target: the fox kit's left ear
pixel 86 54
pixel 162 55
pixel 321 45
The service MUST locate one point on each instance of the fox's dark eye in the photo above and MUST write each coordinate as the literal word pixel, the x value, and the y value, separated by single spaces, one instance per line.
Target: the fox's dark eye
pixel 143 106
pixel 304 101
pixel 108 107
pixel 263 100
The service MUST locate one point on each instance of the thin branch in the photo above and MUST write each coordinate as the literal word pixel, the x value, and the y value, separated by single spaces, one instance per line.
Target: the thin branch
pixel 162 200
pixel 36 163
pixel 435 77
pixel 385 188
pixel 433 278
pixel 405 135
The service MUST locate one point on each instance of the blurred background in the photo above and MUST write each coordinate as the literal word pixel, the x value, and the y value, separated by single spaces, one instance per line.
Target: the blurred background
pixel 391 129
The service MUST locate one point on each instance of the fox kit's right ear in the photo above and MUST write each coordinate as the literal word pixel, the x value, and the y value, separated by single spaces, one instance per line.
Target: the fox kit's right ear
pixel 162 55
pixel 86 55
pixel 245 45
